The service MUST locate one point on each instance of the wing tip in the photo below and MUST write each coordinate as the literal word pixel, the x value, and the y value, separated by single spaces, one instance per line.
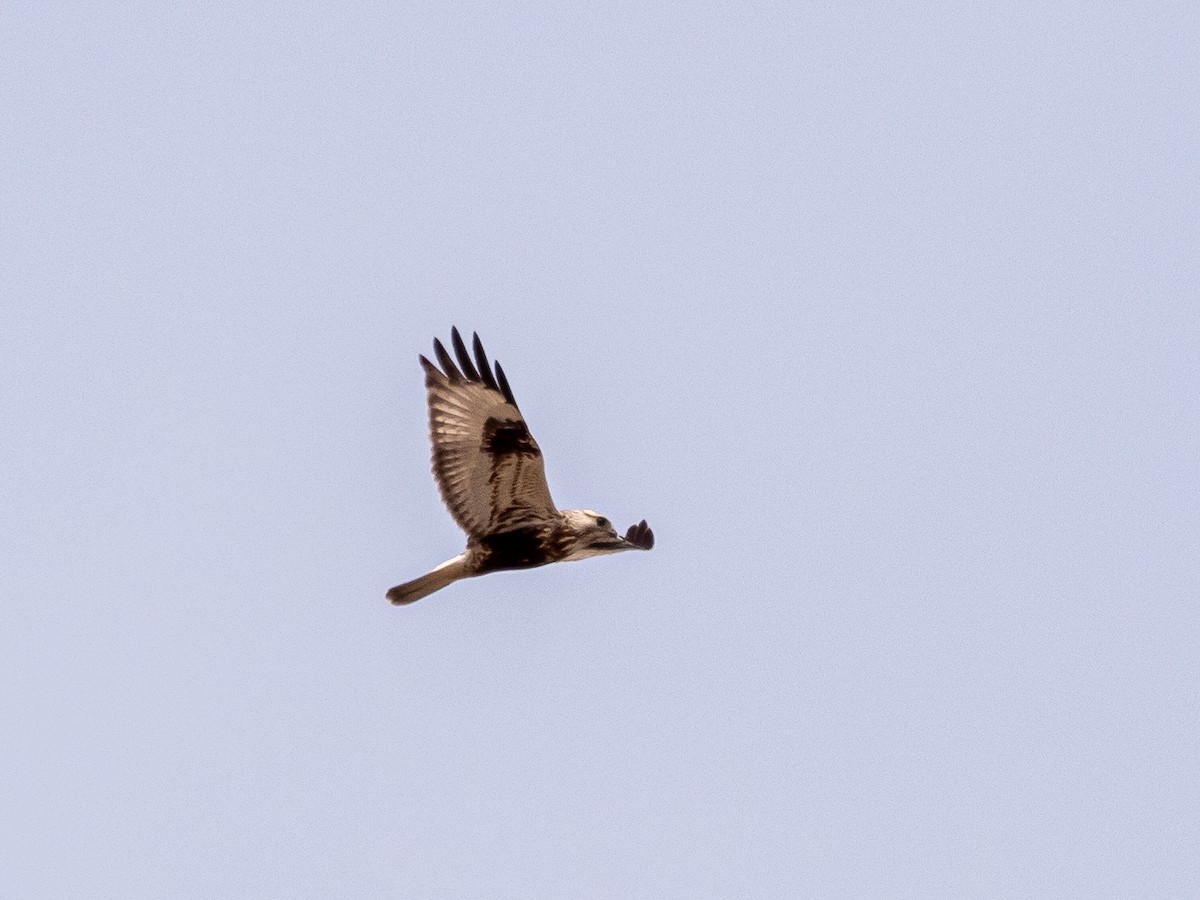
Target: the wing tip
pixel 479 370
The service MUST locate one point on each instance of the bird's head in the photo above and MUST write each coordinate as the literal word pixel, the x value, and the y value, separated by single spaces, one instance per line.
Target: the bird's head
pixel 594 535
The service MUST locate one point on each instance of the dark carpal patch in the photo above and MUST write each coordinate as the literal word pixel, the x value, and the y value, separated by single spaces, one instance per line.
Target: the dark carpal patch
pixel 521 548
pixel 504 436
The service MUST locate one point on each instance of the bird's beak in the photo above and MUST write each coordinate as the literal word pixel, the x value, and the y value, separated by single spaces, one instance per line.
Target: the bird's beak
pixel 639 537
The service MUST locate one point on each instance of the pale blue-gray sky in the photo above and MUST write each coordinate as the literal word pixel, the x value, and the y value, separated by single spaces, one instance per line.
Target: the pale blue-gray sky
pixel 885 316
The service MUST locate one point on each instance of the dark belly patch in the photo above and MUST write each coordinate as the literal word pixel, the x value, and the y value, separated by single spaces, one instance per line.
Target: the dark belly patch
pixel 518 549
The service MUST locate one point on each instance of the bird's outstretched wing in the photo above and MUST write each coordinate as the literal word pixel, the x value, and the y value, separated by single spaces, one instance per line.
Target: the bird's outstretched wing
pixel 487 465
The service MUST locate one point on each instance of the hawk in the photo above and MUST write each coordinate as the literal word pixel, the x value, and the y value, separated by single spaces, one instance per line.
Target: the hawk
pixel 489 471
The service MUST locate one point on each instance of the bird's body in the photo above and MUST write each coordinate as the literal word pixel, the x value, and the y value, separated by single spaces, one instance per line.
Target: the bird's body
pixel 490 474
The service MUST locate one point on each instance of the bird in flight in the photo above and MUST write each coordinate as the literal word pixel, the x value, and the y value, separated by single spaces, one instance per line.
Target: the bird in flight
pixel 489 471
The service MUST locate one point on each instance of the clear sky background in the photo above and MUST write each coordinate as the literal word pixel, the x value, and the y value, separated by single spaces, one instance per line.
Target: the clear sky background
pixel 885 316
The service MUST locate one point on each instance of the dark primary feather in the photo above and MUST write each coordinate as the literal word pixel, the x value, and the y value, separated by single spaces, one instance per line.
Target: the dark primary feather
pixel 485 368
pixel 447 363
pixel 504 388
pixel 464 358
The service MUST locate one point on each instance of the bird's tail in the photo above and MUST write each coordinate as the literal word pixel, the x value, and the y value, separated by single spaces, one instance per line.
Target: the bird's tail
pixel 447 573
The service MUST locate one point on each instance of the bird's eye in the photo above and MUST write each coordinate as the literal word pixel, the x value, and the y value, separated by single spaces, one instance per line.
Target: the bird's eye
pixel 603 522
